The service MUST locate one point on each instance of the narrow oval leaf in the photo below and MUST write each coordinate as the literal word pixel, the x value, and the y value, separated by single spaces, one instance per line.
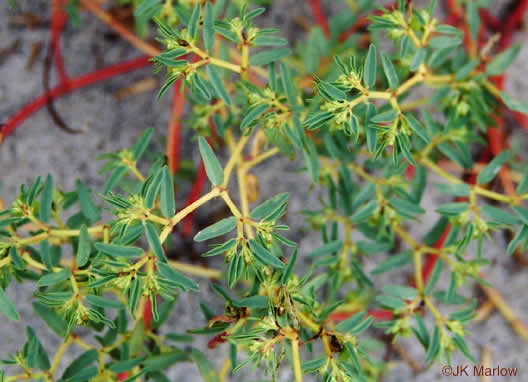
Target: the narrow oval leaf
pixel 390 72
pixel 263 255
pixel 7 307
pixel 514 104
pixel 208 27
pixel 154 242
pixel 46 199
pixel 192 27
pixel 218 229
pixel 501 61
pixel 289 268
pixel 253 115
pixel 369 70
pixel 88 207
pixel 167 192
pixel 170 274
pixel 268 56
pixel 488 173
pixel 119 250
pixel 83 249
pixel 54 278
pixel 214 170
pixel 218 84
pixel 103 302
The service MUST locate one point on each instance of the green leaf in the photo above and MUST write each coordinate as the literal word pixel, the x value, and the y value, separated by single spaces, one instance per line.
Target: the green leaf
pixel 54 278
pixel 287 83
pixel 16 259
pixel 119 250
pixel 421 330
pixel 435 275
pixel 208 27
pixel 88 207
pixel 466 69
pixel 434 346
pixel 327 248
pixel 522 213
pixel 501 61
pixel 263 255
pixel 417 128
pixel 403 292
pixel 522 187
pixel 114 178
pixel 222 248
pixel 317 119
pixel 351 322
pixel 167 192
pixel 364 212
pixel 289 268
pixel 141 144
pixel 163 361
pixel 390 302
pixel 521 235
pixel 214 170
pixel 270 207
pixel 268 56
pixel 52 319
pixel 390 72
pixel 386 116
pixel 206 369
pixel 406 208
pixel 452 209
pixel 488 173
pixel 499 215
pixel 7 308
pixel 269 41
pixel 253 302
pixel 460 189
pixel 153 184
pixel 46 199
pixel 442 42
pixel 134 293
pixel 154 242
pixel 103 302
pixel 192 27
pixel 83 249
pixel 369 70
pixel 179 337
pixel 393 262
pixel 314 364
pixel 218 85
pixel 330 92
pixel 172 275
pixel 461 345
pixel 253 115
pixel 513 104
pixel 418 58
pixel 217 229
pixel 473 19
pixel 45 254
pixel 128 364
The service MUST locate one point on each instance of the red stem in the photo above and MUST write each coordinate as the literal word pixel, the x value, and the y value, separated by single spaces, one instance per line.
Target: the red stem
pixel 319 16
pixel 377 314
pixel 73 84
pixel 194 194
pixel 58 22
pixel 489 20
pixel 174 132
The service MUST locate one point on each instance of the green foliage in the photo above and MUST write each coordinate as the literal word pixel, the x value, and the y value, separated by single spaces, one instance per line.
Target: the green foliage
pixel 350 115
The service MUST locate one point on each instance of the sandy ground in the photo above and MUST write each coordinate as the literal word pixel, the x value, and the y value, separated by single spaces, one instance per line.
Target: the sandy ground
pixel 39 147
